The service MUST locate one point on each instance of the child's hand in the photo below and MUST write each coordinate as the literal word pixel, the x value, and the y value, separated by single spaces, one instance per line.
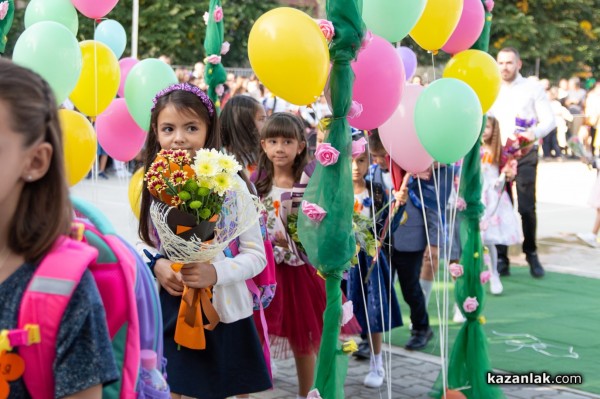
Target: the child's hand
pixel 280 240
pixel 199 275
pixel 167 278
pixel 401 195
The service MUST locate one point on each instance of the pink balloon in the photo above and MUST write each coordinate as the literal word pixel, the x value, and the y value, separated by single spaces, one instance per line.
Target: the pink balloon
pixel 125 64
pixel 378 84
pixel 118 134
pixel 399 136
pixel 94 8
pixel 468 29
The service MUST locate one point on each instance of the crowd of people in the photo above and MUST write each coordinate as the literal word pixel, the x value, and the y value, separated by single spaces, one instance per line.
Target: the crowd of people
pixel 275 142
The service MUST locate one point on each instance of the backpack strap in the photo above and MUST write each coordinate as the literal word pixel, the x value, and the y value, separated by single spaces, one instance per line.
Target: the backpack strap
pixel 44 303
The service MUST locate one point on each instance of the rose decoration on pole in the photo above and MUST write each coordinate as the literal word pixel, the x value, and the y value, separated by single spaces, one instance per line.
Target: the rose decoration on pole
pixel 326 154
pixel 7 13
pixel 214 74
pixel 330 244
pixel 469 361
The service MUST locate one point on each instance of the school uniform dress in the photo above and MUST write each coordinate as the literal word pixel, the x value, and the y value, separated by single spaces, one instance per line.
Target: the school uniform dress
pixel 233 361
pixel 371 299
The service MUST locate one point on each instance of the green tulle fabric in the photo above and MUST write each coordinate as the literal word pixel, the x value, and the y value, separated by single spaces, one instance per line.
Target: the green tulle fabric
pixel 214 75
pixel 330 245
pixel 5 25
pixel 469 361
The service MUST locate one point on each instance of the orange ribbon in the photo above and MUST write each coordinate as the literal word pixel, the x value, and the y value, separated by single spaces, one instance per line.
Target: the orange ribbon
pixel 189 331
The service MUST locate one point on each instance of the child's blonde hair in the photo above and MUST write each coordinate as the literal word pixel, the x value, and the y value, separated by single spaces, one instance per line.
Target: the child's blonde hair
pixel 495 141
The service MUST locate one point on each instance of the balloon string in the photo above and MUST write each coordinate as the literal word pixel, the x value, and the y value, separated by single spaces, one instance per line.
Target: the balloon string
pixel 433 64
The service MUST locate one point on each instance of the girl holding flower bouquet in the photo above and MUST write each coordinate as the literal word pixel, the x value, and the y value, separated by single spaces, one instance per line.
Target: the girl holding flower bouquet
pixel 499 225
pixel 371 296
pixel 232 363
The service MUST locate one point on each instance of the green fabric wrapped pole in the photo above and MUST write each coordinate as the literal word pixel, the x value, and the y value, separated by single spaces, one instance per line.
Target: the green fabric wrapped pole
pixel 6 23
pixel 469 361
pixel 214 74
pixel 330 245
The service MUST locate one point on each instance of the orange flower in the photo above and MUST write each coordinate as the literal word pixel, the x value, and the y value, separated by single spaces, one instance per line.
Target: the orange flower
pixel 276 205
pixel 357 206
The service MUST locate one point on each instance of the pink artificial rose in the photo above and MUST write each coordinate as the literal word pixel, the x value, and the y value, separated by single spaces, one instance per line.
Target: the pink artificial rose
pixel 489 5
pixel 218 14
pixel 313 211
pixel 219 90
pixel 456 270
pixel 326 154
pixel 358 147
pixel 327 29
pixel 213 59
pixel 347 312
pixel 470 304
pixel 314 394
pixel 366 40
pixel 484 276
pixel 461 204
pixel 3 10
pixel 356 110
pixel 225 48
pixel 205 18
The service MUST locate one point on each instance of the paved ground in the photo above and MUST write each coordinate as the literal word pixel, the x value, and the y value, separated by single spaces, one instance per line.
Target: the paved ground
pixel 563 189
pixel 413 374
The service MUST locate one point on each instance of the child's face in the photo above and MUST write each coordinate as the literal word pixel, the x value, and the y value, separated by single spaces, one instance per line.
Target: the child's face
pixel 360 166
pixel 379 158
pixel 180 130
pixel 487 133
pixel 281 151
pixel 259 118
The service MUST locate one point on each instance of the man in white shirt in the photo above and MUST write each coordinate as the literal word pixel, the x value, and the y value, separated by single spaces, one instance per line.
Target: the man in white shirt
pixel 524 99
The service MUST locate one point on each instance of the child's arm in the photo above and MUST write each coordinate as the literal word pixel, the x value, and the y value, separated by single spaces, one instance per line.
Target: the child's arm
pixel 251 259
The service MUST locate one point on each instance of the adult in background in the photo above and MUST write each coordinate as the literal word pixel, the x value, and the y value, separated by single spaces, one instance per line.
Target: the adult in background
pixel 524 99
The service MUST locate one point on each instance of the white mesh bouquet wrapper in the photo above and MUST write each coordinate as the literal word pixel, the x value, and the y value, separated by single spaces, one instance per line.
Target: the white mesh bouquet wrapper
pixel 239 212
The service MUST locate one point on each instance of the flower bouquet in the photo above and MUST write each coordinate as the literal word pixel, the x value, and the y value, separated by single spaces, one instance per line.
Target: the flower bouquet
pixel 198 209
pixel 517 145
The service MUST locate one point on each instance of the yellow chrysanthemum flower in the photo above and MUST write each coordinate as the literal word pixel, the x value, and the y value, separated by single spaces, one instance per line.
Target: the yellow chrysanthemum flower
pixel 222 182
pixel 229 164
pixel 204 167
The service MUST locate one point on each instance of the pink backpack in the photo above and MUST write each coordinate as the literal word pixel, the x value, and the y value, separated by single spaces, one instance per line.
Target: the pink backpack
pixel 128 294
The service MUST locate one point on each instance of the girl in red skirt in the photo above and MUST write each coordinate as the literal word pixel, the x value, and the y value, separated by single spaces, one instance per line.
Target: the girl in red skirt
pixel 295 316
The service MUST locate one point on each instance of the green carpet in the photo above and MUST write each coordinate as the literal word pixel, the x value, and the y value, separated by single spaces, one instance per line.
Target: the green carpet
pixel 558 312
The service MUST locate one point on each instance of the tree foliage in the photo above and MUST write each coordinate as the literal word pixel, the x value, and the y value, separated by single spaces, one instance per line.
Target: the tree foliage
pixel 175 28
pixel 562 34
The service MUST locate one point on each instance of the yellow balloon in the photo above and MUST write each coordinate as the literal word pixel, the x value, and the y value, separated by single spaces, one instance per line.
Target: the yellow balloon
pixel 438 21
pixel 134 193
pixel 289 54
pixel 79 143
pixel 479 70
pixel 99 80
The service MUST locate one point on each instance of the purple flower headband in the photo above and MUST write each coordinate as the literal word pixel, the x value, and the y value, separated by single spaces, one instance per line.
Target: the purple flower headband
pixel 189 88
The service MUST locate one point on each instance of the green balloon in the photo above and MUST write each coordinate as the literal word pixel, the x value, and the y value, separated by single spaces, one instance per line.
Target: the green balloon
pixel 51 50
pixel 448 119
pixel 145 79
pixel 392 19
pixel 61 11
